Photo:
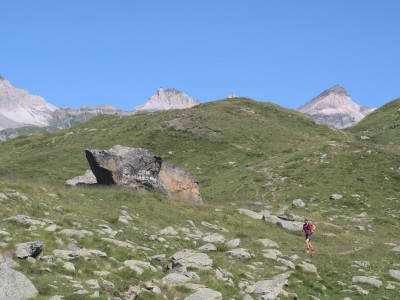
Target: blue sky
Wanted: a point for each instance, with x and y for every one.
(119, 52)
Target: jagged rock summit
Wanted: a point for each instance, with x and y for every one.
(19, 108)
(335, 108)
(167, 99)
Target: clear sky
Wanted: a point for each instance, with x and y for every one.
(119, 52)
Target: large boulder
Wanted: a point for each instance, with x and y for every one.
(140, 169)
(14, 285)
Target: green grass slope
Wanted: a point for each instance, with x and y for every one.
(245, 154)
(382, 126)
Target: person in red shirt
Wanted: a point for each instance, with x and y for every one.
(308, 228)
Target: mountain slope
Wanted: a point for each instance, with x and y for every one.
(19, 108)
(382, 125)
(245, 155)
(335, 108)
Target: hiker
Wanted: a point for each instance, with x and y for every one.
(308, 228)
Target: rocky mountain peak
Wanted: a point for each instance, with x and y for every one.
(168, 99)
(19, 108)
(335, 108)
(336, 89)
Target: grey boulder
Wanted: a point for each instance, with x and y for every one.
(15, 286)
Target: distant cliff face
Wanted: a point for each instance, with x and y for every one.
(167, 99)
(335, 108)
(19, 108)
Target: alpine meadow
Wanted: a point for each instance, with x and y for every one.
(259, 167)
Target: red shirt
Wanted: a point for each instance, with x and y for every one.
(307, 227)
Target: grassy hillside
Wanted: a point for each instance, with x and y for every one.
(245, 154)
(382, 126)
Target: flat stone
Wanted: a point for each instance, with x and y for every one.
(233, 243)
(208, 247)
(270, 289)
(139, 266)
(189, 258)
(76, 233)
(366, 279)
(214, 238)
(168, 231)
(395, 274)
(175, 279)
(240, 253)
(250, 213)
(205, 294)
(267, 243)
(213, 226)
(118, 243)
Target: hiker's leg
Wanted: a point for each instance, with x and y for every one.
(307, 245)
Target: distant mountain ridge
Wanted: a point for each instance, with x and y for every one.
(19, 109)
(335, 108)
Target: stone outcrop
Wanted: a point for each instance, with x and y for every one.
(139, 169)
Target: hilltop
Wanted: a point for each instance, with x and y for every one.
(255, 163)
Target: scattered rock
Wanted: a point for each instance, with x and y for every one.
(233, 243)
(298, 203)
(359, 290)
(69, 266)
(108, 285)
(29, 249)
(336, 197)
(208, 247)
(214, 238)
(270, 289)
(15, 286)
(286, 263)
(390, 287)
(362, 263)
(121, 244)
(76, 233)
(212, 226)
(139, 266)
(189, 258)
(175, 279)
(52, 228)
(25, 220)
(267, 243)
(240, 253)
(366, 279)
(168, 231)
(250, 213)
(87, 179)
(308, 268)
(205, 294)
(395, 274)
